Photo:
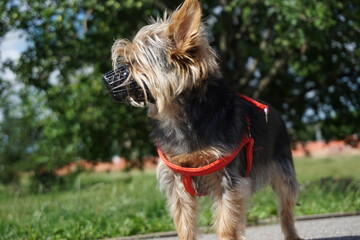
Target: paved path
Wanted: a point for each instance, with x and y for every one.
(342, 228)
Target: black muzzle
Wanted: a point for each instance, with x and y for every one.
(120, 92)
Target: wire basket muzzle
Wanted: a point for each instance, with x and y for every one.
(120, 88)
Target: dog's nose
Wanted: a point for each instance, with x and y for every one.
(116, 77)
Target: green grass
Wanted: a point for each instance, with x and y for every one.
(101, 205)
(328, 185)
(123, 204)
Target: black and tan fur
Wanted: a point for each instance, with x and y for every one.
(196, 118)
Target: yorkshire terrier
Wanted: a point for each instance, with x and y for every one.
(211, 139)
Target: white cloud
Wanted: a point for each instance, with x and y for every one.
(7, 74)
(12, 45)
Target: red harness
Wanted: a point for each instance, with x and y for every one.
(247, 141)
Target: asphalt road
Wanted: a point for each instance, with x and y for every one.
(340, 228)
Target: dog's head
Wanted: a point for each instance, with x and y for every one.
(164, 59)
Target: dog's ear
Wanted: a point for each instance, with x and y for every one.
(184, 30)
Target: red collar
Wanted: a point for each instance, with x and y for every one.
(220, 163)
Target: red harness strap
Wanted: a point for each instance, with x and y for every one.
(260, 106)
(187, 173)
(220, 163)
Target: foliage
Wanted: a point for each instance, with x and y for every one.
(69, 48)
(17, 139)
(301, 56)
(122, 204)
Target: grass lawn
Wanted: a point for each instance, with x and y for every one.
(123, 204)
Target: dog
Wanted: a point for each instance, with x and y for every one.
(198, 123)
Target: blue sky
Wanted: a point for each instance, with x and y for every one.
(11, 47)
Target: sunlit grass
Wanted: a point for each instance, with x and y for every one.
(340, 166)
(102, 205)
(122, 204)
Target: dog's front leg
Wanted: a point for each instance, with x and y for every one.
(183, 206)
(183, 209)
(230, 204)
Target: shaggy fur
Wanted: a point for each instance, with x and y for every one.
(196, 118)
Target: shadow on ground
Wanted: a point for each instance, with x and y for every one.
(338, 238)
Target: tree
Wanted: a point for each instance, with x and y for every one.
(71, 41)
(301, 56)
